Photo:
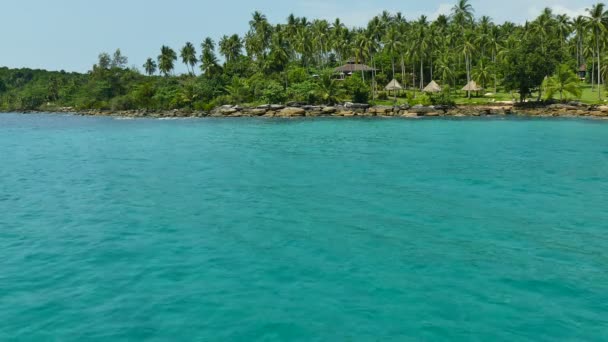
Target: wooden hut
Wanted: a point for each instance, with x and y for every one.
(582, 72)
(352, 67)
(432, 87)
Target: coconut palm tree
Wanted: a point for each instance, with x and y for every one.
(166, 60)
(597, 18)
(579, 26)
(564, 81)
(150, 67)
(209, 62)
(231, 47)
(467, 48)
(392, 44)
(482, 73)
(462, 13)
(188, 54)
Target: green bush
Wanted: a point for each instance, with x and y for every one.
(444, 98)
(422, 99)
(273, 93)
(122, 103)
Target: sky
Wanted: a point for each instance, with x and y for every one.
(70, 34)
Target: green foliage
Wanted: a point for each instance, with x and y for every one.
(444, 98)
(358, 88)
(303, 92)
(564, 81)
(421, 99)
(274, 93)
(280, 63)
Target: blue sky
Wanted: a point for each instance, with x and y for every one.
(69, 34)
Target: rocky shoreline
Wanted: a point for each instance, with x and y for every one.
(292, 110)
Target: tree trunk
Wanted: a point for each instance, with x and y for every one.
(421, 74)
(599, 68)
(466, 57)
(402, 71)
(413, 75)
(394, 91)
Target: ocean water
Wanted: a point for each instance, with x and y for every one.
(303, 230)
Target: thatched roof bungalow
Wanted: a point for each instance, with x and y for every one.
(472, 86)
(351, 67)
(432, 87)
(393, 85)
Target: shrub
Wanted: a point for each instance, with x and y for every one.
(273, 93)
(122, 103)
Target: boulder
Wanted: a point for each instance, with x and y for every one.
(295, 104)
(276, 107)
(258, 111)
(380, 110)
(351, 105)
(292, 111)
(328, 110)
(227, 110)
(419, 109)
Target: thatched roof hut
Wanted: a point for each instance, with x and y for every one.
(393, 85)
(351, 66)
(432, 87)
(472, 86)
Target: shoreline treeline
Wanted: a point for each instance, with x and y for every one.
(295, 61)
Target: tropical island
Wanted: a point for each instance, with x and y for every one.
(392, 66)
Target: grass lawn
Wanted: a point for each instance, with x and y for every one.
(588, 96)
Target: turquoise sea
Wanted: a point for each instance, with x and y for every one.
(309, 230)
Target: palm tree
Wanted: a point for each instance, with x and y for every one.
(564, 28)
(564, 81)
(579, 26)
(482, 73)
(467, 49)
(150, 67)
(445, 71)
(166, 60)
(422, 45)
(188, 55)
(231, 47)
(597, 18)
(328, 89)
(392, 44)
(209, 61)
(462, 13)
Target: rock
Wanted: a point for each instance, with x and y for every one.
(409, 115)
(276, 107)
(270, 114)
(295, 104)
(347, 113)
(258, 111)
(603, 109)
(328, 110)
(265, 106)
(351, 105)
(431, 114)
(292, 111)
(380, 110)
(419, 109)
